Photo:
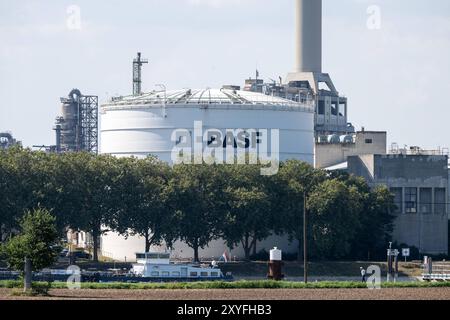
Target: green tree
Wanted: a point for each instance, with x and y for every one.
(247, 213)
(376, 225)
(195, 196)
(144, 207)
(23, 183)
(375, 218)
(334, 211)
(37, 236)
(295, 180)
(86, 193)
(6, 214)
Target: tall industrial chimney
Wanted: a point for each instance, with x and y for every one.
(308, 36)
(307, 80)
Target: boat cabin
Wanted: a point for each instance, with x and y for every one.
(158, 265)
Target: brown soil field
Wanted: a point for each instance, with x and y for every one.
(242, 294)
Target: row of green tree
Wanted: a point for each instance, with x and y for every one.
(196, 203)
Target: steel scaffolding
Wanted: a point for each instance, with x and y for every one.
(89, 123)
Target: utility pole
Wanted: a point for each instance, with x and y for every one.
(28, 275)
(305, 242)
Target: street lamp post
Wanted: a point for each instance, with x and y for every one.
(305, 243)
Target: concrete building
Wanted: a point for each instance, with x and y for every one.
(420, 183)
(333, 150)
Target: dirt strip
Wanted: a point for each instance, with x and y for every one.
(244, 294)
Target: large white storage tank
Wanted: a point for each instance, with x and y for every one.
(143, 125)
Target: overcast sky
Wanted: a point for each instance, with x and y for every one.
(396, 77)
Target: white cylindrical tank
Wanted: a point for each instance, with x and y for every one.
(275, 254)
(309, 36)
(144, 125)
(139, 126)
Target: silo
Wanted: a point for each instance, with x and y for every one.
(143, 125)
(69, 124)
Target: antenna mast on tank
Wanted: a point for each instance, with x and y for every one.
(137, 74)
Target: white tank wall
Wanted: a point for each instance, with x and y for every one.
(145, 131)
(120, 249)
(140, 131)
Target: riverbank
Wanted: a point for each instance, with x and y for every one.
(258, 269)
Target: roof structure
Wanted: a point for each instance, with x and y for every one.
(339, 166)
(207, 96)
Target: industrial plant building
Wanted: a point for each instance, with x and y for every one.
(311, 116)
(420, 183)
(77, 127)
(7, 140)
(333, 150)
(306, 104)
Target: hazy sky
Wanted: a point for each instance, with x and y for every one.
(396, 77)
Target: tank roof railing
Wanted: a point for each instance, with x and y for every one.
(210, 97)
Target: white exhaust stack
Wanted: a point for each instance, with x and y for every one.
(308, 36)
(308, 79)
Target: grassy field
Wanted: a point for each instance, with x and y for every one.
(263, 284)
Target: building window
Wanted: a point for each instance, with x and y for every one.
(342, 109)
(321, 108)
(369, 141)
(411, 200)
(398, 199)
(164, 256)
(439, 201)
(334, 108)
(425, 200)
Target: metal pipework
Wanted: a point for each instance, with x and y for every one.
(308, 36)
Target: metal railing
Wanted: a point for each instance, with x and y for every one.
(436, 271)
